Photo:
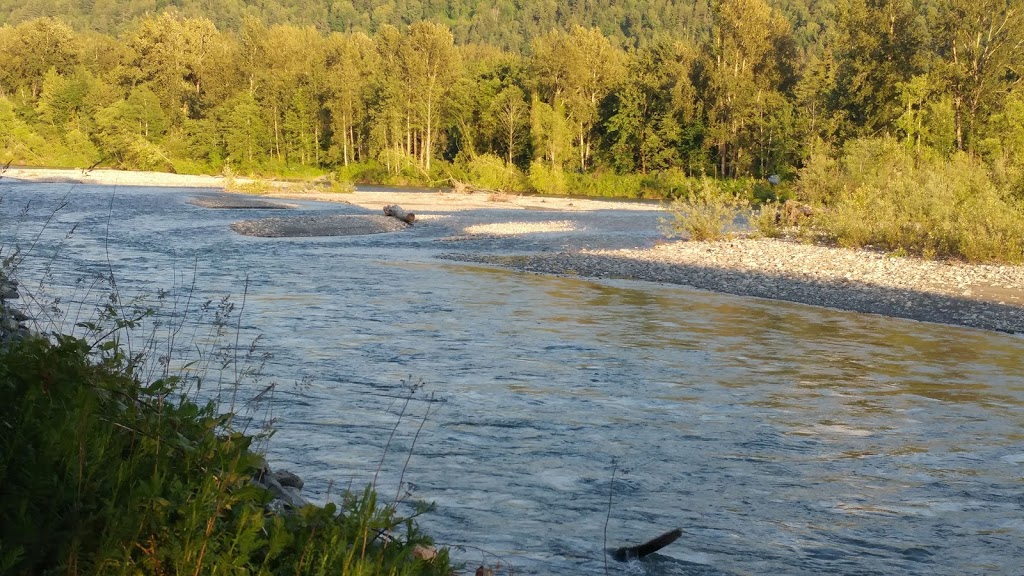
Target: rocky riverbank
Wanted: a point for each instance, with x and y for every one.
(980, 296)
(285, 487)
(13, 322)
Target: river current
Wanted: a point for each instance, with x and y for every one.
(568, 415)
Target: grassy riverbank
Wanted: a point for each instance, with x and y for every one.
(104, 473)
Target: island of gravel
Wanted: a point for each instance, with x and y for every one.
(326, 225)
(236, 202)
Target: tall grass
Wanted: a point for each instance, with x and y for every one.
(884, 195)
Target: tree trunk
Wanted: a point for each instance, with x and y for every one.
(277, 135)
(408, 134)
(356, 155)
(344, 137)
(583, 159)
(426, 151)
(511, 139)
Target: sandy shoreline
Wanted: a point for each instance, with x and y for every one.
(982, 296)
(113, 177)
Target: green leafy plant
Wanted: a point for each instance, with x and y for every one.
(885, 195)
(706, 213)
(104, 473)
(546, 180)
(767, 220)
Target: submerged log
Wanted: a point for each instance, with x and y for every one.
(647, 548)
(396, 211)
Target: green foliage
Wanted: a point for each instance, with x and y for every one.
(880, 45)
(707, 212)
(672, 183)
(488, 172)
(246, 134)
(336, 185)
(607, 185)
(369, 171)
(19, 143)
(881, 194)
(1003, 146)
(741, 89)
(105, 474)
(546, 180)
(33, 48)
(767, 220)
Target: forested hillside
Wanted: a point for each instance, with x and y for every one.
(509, 24)
(734, 88)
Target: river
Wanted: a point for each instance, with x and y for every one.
(566, 415)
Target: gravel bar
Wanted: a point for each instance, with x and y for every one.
(981, 296)
(308, 226)
(236, 202)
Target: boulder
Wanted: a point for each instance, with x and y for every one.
(9, 291)
(287, 478)
(284, 485)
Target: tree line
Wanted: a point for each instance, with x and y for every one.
(749, 89)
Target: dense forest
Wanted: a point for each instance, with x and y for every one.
(508, 24)
(726, 88)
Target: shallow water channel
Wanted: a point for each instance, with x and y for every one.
(571, 414)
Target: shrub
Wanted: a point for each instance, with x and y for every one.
(767, 220)
(671, 183)
(819, 180)
(888, 196)
(606, 185)
(488, 172)
(363, 172)
(706, 212)
(546, 180)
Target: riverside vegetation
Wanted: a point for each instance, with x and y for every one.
(590, 98)
(105, 471)
(879, 195)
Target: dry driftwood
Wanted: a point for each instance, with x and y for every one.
(647, 548)
(396, 211)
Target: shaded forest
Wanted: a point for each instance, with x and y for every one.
(730, 88)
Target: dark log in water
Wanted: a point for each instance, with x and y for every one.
(647, 548)
(396, 211)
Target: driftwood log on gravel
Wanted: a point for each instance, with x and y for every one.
(396, 211)
(647, 548)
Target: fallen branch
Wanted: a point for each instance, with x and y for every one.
(647, 548)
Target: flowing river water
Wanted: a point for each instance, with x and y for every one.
(567, 415)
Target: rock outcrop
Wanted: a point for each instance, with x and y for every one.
(284, 485)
